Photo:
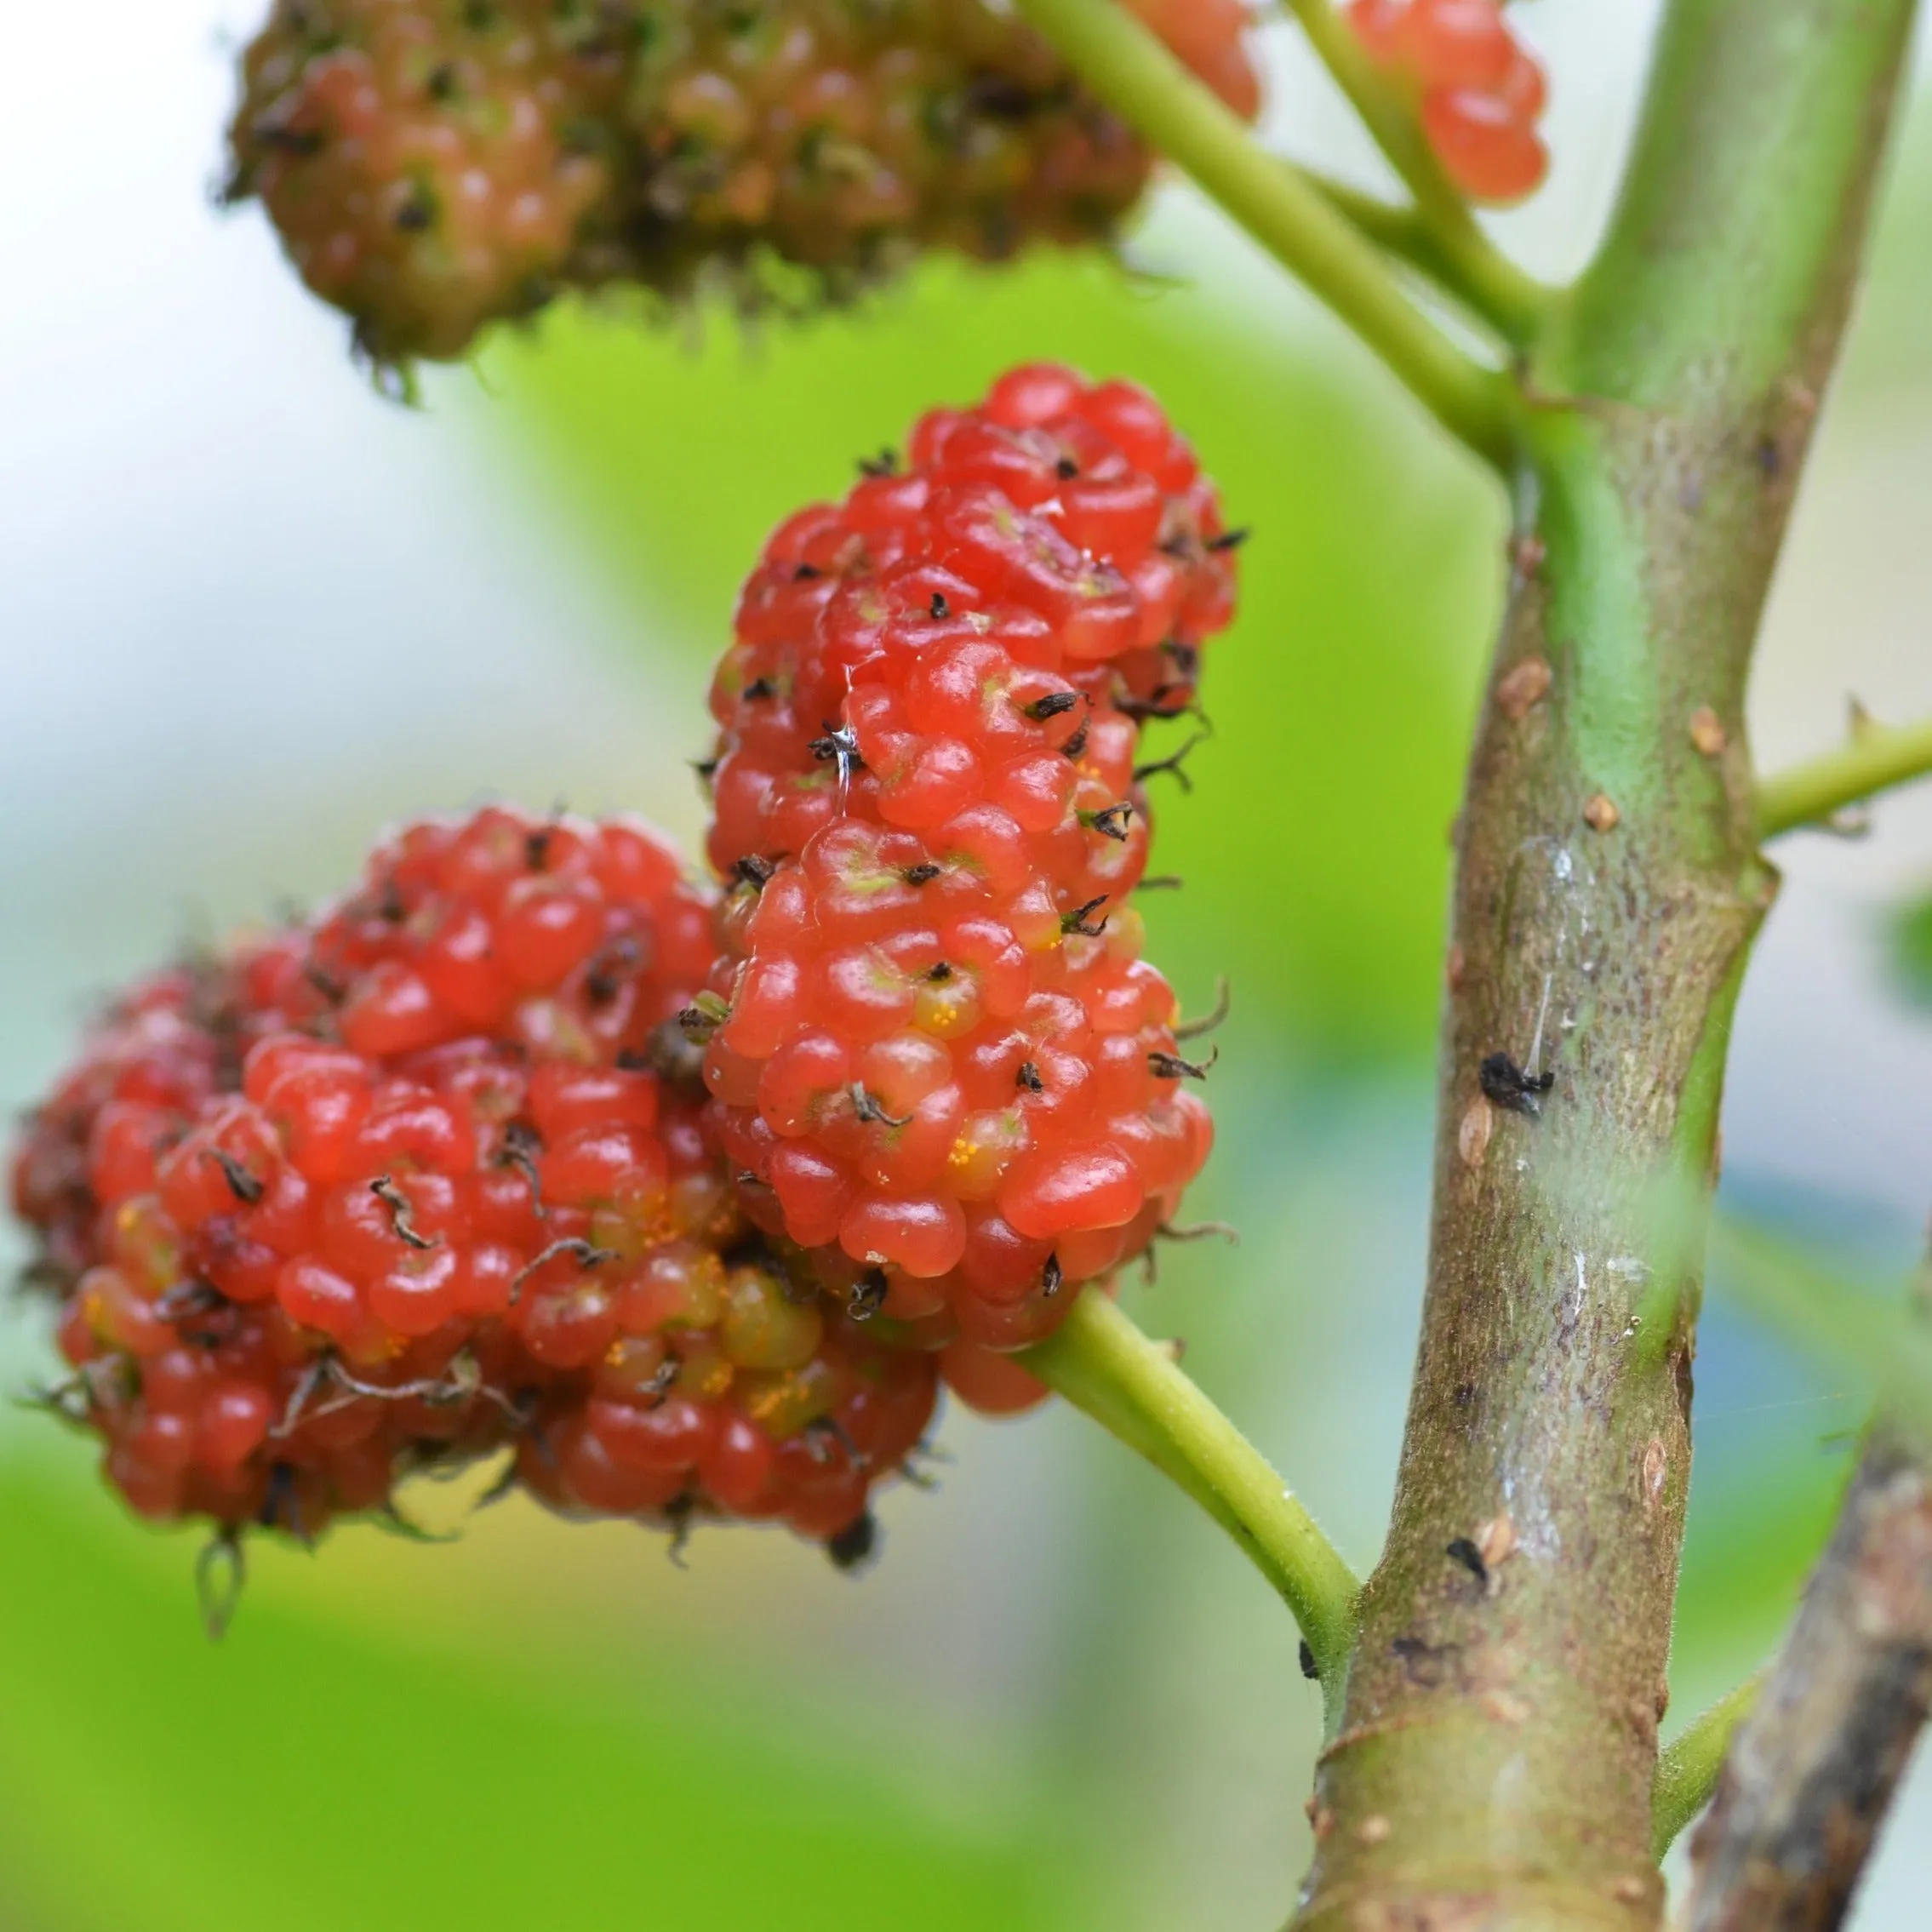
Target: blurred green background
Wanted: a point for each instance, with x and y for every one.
(247, 613)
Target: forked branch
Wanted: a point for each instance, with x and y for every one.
(1488, 285)
(1815, 1769)
(1498, 1757)
(1131, 69)
(1476, 270)
(1136, 1389)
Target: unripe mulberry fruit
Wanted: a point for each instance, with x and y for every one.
(1478, 92)
(940, 1061)
(431, 164)
(435, 165)
(420, 1179)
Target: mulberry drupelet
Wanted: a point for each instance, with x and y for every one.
(1478, 91)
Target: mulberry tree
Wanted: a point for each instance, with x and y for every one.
(680, 1187)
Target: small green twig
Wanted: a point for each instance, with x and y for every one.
(1487, 285)
(1877, 757)
(1132, 1386)
(1131, 69)
(1387, 117)
(1488, 278)
(1686, 1772)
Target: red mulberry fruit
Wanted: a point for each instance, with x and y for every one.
(940, 1062)
(1479, 93)
(425, 1177)
(434, 164)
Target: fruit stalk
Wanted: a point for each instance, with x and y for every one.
(1487, 284)
(1499, 1736)
(1135, 1388)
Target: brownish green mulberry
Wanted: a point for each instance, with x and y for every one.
(431, 164)
(435, 165)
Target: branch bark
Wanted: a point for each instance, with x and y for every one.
(1815, 1768)
(1494, 1766)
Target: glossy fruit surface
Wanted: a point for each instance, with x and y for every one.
(425, 1177)
(1478, 92)
(939, 1062)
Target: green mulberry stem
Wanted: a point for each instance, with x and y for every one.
(1489, 286)
(1687, 1771)
(1131, 1385)
(1877, 757)
(1499, 290)
(1131, 69)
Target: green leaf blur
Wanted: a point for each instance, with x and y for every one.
(151, 1779)
(1910, 952)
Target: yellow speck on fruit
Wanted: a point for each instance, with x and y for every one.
(962, 1152)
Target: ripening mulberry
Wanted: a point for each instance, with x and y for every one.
(424, 1178)
(434, 164)
(1479, 93)
(940, 1063)
(430, 166)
